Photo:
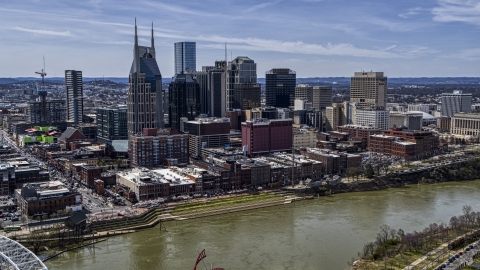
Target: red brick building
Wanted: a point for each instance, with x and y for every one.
(88, 174)
(359, 133)
(404, 143)
(262, 136)
(45, 199)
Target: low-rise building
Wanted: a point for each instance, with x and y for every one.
(333, 162)
(145, 183)
(465, 124)
(304, 138)
(46, 198)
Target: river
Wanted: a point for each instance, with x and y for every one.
(323, 233)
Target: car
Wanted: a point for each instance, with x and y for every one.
(460, 253)
(467, 249)
(457, 256)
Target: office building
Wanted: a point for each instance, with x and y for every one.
(411, 120)
(185, 57)
(444, 123)
(217, 90)
(262, 136)
(359, 133)
(144, 97)
(241, 70)
(368, 89)
(207, 133)
(373, 118)
(202, 78)
(112, 124)
(46, 198)
(280, 87)
(419, 107)
(246, 96)
(405, 143)
(183, 99)
(319, 96)
(74, 90)
(335, 116)
(456, 102)
(153, 148)
(465, 124)
(56, 112)
(302, 104)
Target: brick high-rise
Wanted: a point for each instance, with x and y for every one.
(262, 136)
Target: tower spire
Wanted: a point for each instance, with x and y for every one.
(153, 43)
(136, 36)
(136, 60)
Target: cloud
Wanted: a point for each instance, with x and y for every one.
(467, 11)
(262, 5)
(296, 47)
(115, 42)
(389, 48)
(177, 9)
(412, 12)
(469, 54)
(44, 32)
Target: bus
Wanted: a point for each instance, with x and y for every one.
(12, 228)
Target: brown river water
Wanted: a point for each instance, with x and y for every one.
(320, 234)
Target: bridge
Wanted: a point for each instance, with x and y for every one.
(14, 256)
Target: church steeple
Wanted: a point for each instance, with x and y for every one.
(153, 42)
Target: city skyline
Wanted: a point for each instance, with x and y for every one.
(316, 38)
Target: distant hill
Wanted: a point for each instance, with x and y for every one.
(313, 81)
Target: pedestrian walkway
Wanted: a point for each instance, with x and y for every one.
(423, 258)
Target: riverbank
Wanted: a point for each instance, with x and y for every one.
(195, 210)
(458, 171)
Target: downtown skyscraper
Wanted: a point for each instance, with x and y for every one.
(74, 89)
(280, 87)
(144, 98)
(243, 91)
(368, 89)
(185, 57)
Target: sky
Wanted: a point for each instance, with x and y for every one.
(315, 38)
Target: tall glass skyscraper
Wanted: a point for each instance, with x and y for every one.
(280, 87)
(185, 57)
(74, 89)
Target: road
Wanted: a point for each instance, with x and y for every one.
(92, 203)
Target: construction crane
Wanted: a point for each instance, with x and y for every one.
(43, 95)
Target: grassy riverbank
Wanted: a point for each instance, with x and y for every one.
(424, 249)
(222, 202)
(197, 209)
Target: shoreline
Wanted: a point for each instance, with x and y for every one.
(461, 171)
(159, 215)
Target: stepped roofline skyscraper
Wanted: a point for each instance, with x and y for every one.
(144, 101)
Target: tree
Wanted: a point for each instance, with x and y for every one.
(35, 240)
(369, 170)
